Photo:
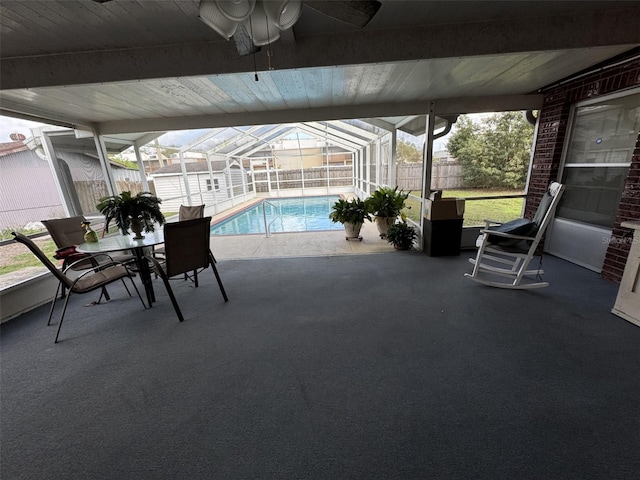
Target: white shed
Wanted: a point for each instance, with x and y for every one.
(225, 180)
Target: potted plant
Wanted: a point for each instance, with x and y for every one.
(386, 204)
(352, 214)
(139, 212)
(401, 235)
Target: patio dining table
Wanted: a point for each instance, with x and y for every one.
(118, 243)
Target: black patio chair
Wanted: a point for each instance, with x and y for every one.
(187, 249)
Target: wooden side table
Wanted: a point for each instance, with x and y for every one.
(627, 304)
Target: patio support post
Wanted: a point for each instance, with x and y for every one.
(326, 153)
(531, 156)
(301, 162)
(143, 174)
(185, 178)
(49, 153)
(213, 186)
(427, 157)
(104, 162)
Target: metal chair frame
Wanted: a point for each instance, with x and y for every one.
(97, 277)
(186, 250)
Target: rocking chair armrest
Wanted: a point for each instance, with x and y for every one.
(488, 223)
(506, 235)
(90, 258)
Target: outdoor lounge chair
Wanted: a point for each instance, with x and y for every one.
(506, 249)
(91, 279)
(186, 249)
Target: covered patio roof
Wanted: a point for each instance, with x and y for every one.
(127, 66)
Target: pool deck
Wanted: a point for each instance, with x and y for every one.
(299, 244)
(302, 244)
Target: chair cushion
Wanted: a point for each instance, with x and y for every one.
(65, 252)
(99, 278)
(520, 226)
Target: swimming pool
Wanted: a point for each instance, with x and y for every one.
(302, 214)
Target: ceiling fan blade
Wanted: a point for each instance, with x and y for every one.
(353, 12)
(243, 41)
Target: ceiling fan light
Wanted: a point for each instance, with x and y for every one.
(284, 13)
(260, 28)
(210, 14)
(236, 10)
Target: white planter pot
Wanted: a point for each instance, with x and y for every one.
(383, 224)
(352, 230)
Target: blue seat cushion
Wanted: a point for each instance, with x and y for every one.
(520, 226)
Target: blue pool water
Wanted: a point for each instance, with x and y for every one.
(304, 214)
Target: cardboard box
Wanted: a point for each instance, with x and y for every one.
(438, 208)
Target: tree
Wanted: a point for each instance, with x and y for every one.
(495, 152)
(407, 153)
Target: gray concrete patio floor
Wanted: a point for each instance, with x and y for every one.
(278, 245)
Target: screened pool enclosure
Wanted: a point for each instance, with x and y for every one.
(221, 168)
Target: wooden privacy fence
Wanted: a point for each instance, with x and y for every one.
(408, 177)
(90, 192)
(444, 176)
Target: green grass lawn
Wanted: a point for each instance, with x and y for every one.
(27, 259)
(476, 211)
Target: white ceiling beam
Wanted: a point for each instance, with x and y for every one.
(149, 137)
(378, 122)
(579, 30)
(35, 114)
(448, 106)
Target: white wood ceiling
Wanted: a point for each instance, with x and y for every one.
(137, 66)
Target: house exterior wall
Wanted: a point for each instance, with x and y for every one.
(27, 190)
(552, 131)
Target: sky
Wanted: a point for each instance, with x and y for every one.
(9, 125)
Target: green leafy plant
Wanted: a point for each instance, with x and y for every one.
(350, 211)
(401, 235)
(123, 207)
(387, 202)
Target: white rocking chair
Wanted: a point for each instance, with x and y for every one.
(505, 249)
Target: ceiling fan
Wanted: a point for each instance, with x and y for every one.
(255, 23)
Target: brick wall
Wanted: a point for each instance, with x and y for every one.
(552, 130)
